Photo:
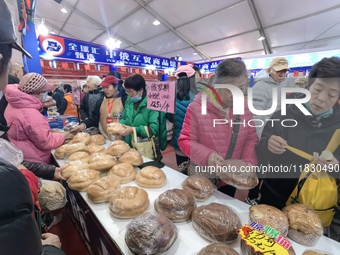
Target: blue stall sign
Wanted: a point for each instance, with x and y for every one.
(210, 67)
(54, 47)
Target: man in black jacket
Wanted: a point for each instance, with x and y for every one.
(16, 205)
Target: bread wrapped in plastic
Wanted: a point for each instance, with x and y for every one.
(115, 128)
(95, 148)
(176, 204)
(74, 166)
(218, 249)
(216, 222)
(150, 233)
(128, 202)
(247, 250)
(59, 153)
(239, 175)
(268, 215)
(80, 180)
(79, 155)
(98, 139)
(199, 186)
(125, 171)
(315, 252)
(81, 137)
(131, 156)
(304, 224)
(101, 161)
(74, 147)
(117, 148)
(100, 191)
(151, 177)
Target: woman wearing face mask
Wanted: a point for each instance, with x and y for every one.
(108, 108)
(311, 134)
(29, 130)
(137, 115)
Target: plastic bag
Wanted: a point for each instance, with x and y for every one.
(10, 152)
(52, 195)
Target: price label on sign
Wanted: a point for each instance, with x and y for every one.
(161, 96)
(261, 242)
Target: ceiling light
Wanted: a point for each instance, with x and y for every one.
(112, 43)
(261, 38)
(63, 10)
(156, 22)
(195, 53)
(42, 29)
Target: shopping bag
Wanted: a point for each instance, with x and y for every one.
(145, 146)
(316, 188)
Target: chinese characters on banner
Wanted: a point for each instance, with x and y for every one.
(161, 96)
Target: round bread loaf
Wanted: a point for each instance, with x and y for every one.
(98, 139)
(218, 249)
(310, 252)
(101, 190)
(128, 202)
(115, 128)
(125, 171)
(132, 156)
(81, 137)
(268, 215)
(304, 224)
(75, 147)
(79, 155)
(240, 179)
(117, 148)
(216, 222)
(72, 167)
(176, 204)
(199, 186)
(247, 250)
(60, 152)
(95, 148)
(151, 233)
(80, 180)
(151, 177)
(101, 161)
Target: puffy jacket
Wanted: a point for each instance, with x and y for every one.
(29, 130)
(58, 97)
(144, 117)
(89, 102)
(199, 138)
(66, 106)
(19, 233)
(263, 99)
(309, 135)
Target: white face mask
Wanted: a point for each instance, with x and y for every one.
(44, 96)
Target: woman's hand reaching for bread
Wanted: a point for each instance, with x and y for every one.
(215, 159)
(58, 173)
(276, 144)
(68, 136)
(79, 128)
(126, 131)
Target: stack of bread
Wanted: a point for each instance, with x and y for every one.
(199, 186)
(304, 224)
(216, 222)
(101, 161)
(80, 180)
(81, 137)
(151, 233)
(100, 191)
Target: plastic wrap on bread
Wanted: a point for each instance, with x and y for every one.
(176, 204)
(100, 191)
(151, 177)
(304, 224)
(102, 161)
(81, 137)
(128, 202)
(216, 222)
(79, 155)
(218, 249)
(95, 148)
(115, 128)
(60, 152)
(75, 147)
(199, 186)
(117, 148)
(125, 171)
(74, 166)
(131, 156)
(80, 180)
(315, 252)
(150, 233)
(98, 139)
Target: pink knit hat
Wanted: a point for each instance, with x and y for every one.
(34, 83)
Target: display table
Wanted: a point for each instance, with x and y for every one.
(104, 234)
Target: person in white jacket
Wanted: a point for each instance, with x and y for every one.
(263, 90)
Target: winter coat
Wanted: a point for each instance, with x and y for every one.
(58, 97)
(89, 103)
(263, 99)
(144, 117)
(66, 107)
(199, 138)
(16, 208)
(309, 136)
(29, 130)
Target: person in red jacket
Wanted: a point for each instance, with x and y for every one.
(206, 143)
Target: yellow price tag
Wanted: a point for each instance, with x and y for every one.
(261, 242)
